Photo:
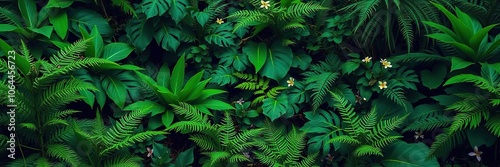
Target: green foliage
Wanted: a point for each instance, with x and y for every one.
(280, 19)
(221, 143)
(282, 147)
(151, 67)
(367, 134)
(375, 17)
(467, 35)
(259, 85)
(42, 93)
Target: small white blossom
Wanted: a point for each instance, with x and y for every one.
(476, 153)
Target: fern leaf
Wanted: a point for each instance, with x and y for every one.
(493, 125)
(367, 150)
(64, 153)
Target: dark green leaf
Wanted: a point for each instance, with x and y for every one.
(117, 51)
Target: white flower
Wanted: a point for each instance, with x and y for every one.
(418, 134)
(219, 21)
(150, 152)
(291, 81)
(382, 85)
(385, 63)
(367, 59)
(264, 4)
(240, 101)
(476, 153)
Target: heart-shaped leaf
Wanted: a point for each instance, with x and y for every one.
(257, 54)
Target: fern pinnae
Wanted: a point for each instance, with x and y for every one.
(63, 152)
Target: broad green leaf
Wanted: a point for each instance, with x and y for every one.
(88, 97)
(96, 44)
(61, 24)
(7, 28)
(477, 39)
(13, 17)
(464, 32)
(458, 63)
(167, 95)
(402, 154)
(59, 3)
(168, 37)
(190, 85)
(115, 90)
(140, 32)
(100, 95)
(197, 92)
(155, 7)
(480, 136)
(257, 54)
(232, 57)
(167, 118)
(223, 75)
(275, 108)
(185, 158)
(278, 63)
(117, 51)
(434, 79)
(4, 47)
(217, 105)
(444, 29)
(323, 124)
(177, 78)
(177, 10)
(151, 106)
(301, 60)
(467, 50)
(28, 12)
(349, 66)
(88, 19)
(494, 45)
(206, 93)
(45, 30)
(163, 75)
(201, 17)
(22, 64)
(220, 35)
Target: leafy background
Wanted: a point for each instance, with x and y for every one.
(252, 83)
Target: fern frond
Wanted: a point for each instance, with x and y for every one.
(64, 153)
(125, 6)
(64, 92)
(347, 113)
(367, 150)
(275, 91)
(383, 128)
(129, 141)
(462, 120)
(71, 66)
(385, 141)
(477, 80)
(493, 125)
(123, 128)
(320, 85)
(430, 123)
(69, 54)
(238, 158)
(298, 10)
(417, 58)
(205, 142)
(445, 142)
(345, 139)
(127, 160)
(397, 95)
